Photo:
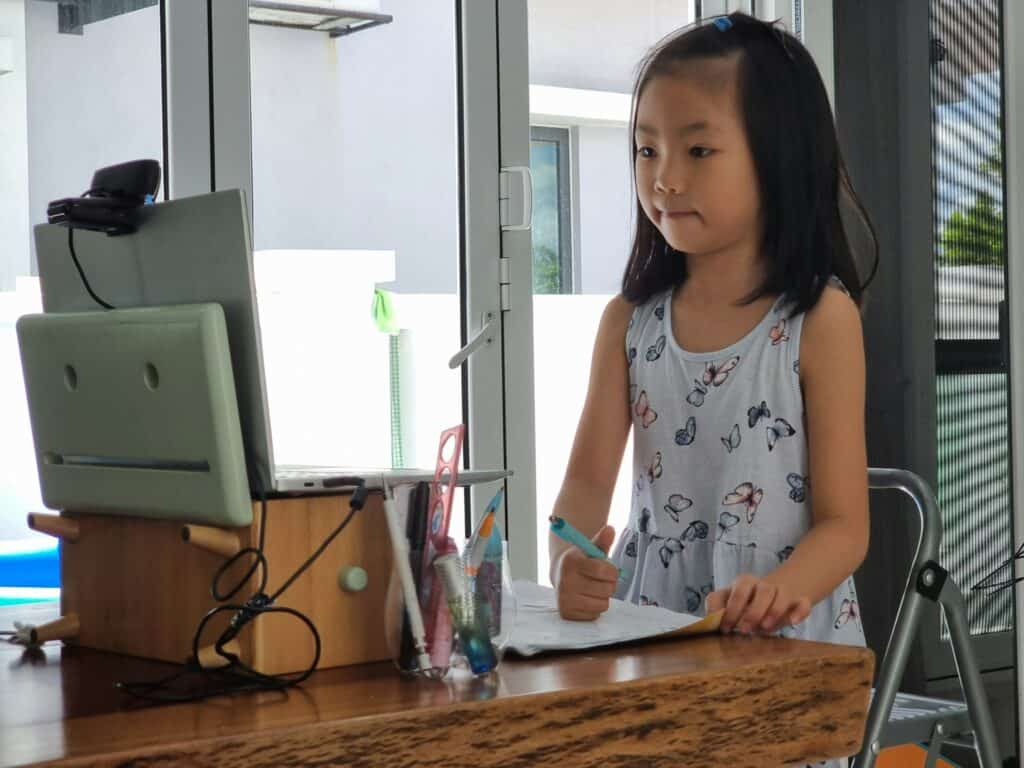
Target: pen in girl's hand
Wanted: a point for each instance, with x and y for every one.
(565, 531)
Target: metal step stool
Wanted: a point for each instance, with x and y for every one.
(900, 718)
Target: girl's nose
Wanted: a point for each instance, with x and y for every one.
(665, 187)
(668, 181)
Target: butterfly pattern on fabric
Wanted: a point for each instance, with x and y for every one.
(644, 413)
(694, 597)
(654, 468)
(732, 440)
(697, 394)
(757, 412)
(781, 428)
(716, 374)
(669, 548)
(848, 610)
(698, 529)
(676, 505)
(686, 435)
(777, 334)
(798, 486)
(630, 355)
(724, 527)
(644, 521)
(654, 351)
(747, 496)
(672, 546)
(631, 545)
(726, 522)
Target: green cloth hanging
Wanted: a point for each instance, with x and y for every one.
(383, 312)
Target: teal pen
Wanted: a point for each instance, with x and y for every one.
(563, 529)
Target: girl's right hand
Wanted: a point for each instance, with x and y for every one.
(585, 584)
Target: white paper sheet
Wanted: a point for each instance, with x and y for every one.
(539, 627)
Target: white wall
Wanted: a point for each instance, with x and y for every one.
(355, 141)
(14, 258)
(597, 45)
(93, 99)
(605, 212)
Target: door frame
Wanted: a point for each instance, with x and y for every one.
(517, 326)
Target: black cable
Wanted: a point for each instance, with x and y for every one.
(995, 581)
(236, 676)
(78, 266)
(81, 273)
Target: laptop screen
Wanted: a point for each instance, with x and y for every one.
(186, 251)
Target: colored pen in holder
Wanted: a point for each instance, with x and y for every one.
(469, 614)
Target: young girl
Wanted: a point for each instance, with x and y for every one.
(735, 352)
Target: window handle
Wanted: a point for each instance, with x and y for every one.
(484, 336)
(515, 198)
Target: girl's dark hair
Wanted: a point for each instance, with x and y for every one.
(800, 171)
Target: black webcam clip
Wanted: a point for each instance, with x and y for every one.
(113, 201)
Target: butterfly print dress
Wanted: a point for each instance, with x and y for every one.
(720, 479)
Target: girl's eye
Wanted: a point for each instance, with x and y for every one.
(700, 151)
(645, 151)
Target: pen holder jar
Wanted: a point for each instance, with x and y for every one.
(427, 652)
(467, 616)
(494, 606)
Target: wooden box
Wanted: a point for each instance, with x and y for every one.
(137, 586)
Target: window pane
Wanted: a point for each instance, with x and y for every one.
(79, 93)
(355, 189)
(973, 442)
(974, 491)
(968, 169)
(552, 168)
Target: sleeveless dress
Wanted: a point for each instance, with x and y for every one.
(720, 470)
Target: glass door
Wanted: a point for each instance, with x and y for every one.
(364, 134)
(971, 329)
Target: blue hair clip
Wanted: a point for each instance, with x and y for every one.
(723, 23)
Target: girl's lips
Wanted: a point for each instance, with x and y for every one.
(678, 214)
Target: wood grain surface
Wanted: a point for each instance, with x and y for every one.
(712, 700)
(138, 588)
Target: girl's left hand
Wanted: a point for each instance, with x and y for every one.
(757, 606)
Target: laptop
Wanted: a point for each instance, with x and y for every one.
(196, 250)
(134, 412)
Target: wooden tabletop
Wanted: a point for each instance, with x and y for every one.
(716, 700)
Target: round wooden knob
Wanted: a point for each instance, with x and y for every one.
(352, 578)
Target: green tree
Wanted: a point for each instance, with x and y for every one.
(975, 236)
(547, 272)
